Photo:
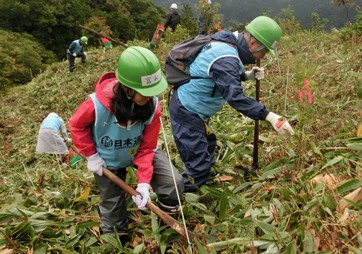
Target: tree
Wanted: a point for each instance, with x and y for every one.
(119, 17)
(98, 24)
(21, 58)
(51, 22)
(288, 22)
(146, 17)
(318, 24)
(208, 16)
(188, 21)
(54, 22)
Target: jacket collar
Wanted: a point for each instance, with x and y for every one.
(245, 55)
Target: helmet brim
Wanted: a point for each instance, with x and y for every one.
(156, 89)
(272, 51)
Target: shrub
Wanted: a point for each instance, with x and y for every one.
(352, 30)
(21, 58)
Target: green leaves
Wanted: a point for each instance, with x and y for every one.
(333, 161)
(50, 207)
(349, 185)
(22, 58)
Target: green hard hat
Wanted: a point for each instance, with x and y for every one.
(139, 69)
(265, 30)
(84, 39)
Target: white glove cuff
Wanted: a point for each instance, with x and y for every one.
(272, 118)
(95, 164)
(143, 185)
(93, 157)
(249, 75)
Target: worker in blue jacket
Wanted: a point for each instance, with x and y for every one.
(76, 49)
(221, 62)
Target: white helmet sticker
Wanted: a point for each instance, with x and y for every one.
(152, 79)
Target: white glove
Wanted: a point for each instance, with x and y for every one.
(141, 200)
(85, 53)
(68, 140)
(95, 163)
(282, 126)
(255, 73)
(75, 54)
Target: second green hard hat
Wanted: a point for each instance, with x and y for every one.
(84, 39)
(265, 30)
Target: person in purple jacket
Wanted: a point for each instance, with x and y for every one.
(192, 105)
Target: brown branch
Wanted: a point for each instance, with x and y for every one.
(11, 241)
(161, 214)
(336, 148)
(102, 35)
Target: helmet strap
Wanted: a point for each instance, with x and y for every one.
(248, 38)
(261, 47)
(258, 49)
(130, 93)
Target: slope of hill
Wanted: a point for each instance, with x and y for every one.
(236, 11)
(295, 203)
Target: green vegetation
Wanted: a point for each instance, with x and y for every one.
(54, 23)
(21, 58)
(305, 197)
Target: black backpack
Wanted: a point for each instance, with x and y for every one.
(181, 57)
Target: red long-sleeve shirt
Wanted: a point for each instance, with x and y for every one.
(82, 121)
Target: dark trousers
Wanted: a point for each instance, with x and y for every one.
(112, 207)
(71, 59)
(195, 145)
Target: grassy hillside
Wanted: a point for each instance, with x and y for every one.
(306, 196)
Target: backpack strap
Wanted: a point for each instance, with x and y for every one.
(228, 43)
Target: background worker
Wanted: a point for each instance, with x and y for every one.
(76, 49)
(53, 136)
(117, 127)
(107, 44)
(193, 104)
(173, 18)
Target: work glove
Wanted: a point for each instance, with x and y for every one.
(95, 164)
(75, 54)
(141, 200)
(85, 53)
(281, 126)
(255, 73)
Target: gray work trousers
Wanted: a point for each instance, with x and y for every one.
(112, 208)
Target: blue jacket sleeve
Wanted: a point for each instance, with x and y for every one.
(71, 47)
(225, 73)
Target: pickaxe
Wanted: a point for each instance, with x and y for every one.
(255, 163)
(166, 218)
